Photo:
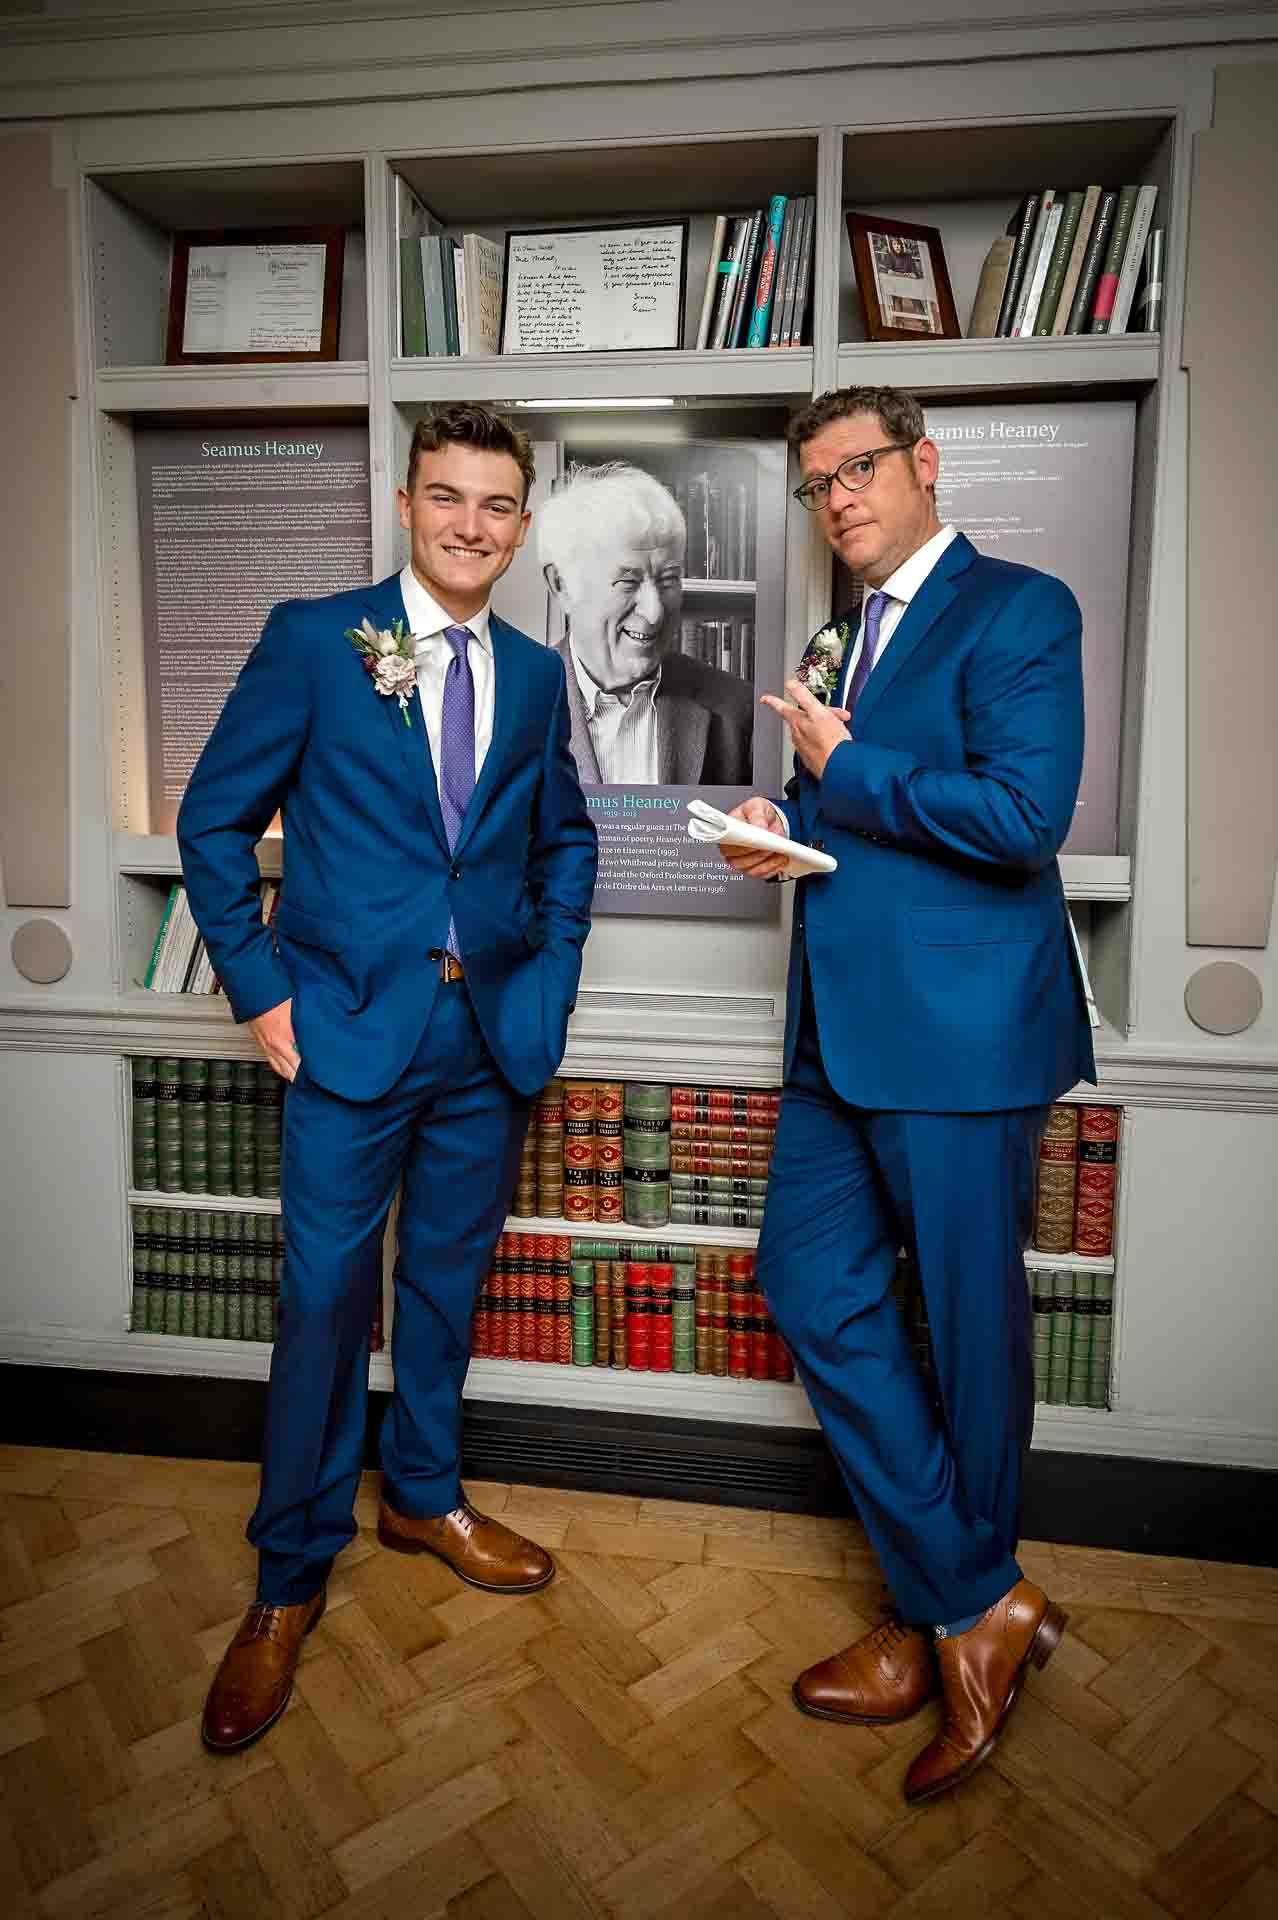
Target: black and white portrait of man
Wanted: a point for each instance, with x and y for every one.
(612, 542)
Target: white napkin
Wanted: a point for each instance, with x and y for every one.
(707, 823)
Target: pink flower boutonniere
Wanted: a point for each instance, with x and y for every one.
(822, 661)
(388, 656)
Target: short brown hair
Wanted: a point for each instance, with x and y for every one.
(898, 413)
(467, 424)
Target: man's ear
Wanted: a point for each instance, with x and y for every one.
(553, 578)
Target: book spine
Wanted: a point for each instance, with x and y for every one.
(1149, 301)
(712, 278)
(412, 297)
(1102, 1336)
(1078, 253)
(803, 273)
(203, 1275)
(729, 276)
(1047, 200)
(142, 1103)
(140, 1220)
(1133, 255)
(550, 1151)
(268, 1114)
(1040, 1282)
(234, 1276)
(1080, 1339)
(1107, 283)
(1016, 273)
(746, 279)
(217, 1266)
(459, 297)
(433, 293)
(448, 280)
(1097, 1180)
(1057, 1181)
(561, 1301)
(1043, 261)
(153, 964)
(168, 1124)
(783, 279)
(765, 289)
(989, 292)
(195, 1126)
(1061, 253)
(1085, 292)
(243, 1145)
(1062, 1335)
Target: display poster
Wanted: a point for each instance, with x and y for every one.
(1050, 486)
(230, 521)
(657, 573)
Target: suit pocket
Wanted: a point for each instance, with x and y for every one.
(968, 926)
(309, 930)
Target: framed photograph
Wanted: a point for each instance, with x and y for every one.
(656, 570)
(595, 289)
(902, 279)
(243, 294)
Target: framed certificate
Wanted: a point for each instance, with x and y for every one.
(243, 294)
(595, 289)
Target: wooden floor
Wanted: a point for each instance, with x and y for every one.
(622, 1744)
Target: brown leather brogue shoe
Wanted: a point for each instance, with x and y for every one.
(479, 1550)
(251, 1687)
(885, 1676)
(982, 1673)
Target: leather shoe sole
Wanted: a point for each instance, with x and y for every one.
(400, 1543)
(1040, 1650)
(856, 1719)
(238, 1746)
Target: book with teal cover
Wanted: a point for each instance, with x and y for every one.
(765, 288)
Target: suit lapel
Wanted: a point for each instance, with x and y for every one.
(385, 606)
(682, 727)
(922, 614)
(510, 681)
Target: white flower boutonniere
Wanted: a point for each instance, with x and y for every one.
(388, 656)
(822, 661)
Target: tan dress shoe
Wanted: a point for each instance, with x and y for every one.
(251, 1688)
(480, 1551)
(982, 1673)
(885, 1676)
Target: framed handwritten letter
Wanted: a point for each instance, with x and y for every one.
(242, 295)
(595, 289)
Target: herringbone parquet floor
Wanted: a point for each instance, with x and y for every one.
(622, 1744)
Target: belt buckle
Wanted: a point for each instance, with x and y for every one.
(450, 968)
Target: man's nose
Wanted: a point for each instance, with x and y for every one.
(648, 603)
(469, 521)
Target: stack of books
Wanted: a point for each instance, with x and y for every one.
(1077, 1181)
(206, 1126)
(180, 960)
(1073, 1327)
(1070, 262)
(651, 1307)
(759, 281)
(211, 1276)
(645, 1154)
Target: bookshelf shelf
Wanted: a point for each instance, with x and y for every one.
(156, 856)
(201, 1202)
(692, 379)
(1097, 876)
(282, 389)
(938, 367)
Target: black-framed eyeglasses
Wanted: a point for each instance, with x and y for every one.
(852, 475)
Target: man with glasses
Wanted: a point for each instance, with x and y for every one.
(934, 1013)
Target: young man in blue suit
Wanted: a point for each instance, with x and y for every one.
(414, 990)
(934, 1013)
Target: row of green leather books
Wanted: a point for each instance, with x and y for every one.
(1073, 1329)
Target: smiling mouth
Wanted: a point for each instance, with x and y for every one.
(640, 635)
(467, 553)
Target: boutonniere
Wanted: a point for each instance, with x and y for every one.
(388, 656)
(822, 661)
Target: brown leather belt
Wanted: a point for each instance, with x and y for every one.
(450, 967)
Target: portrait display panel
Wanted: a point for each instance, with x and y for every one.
(659, 578)
(231, 520)
(1050, 486)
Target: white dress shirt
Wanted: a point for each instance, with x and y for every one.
(622, 726)
(426, 622)
(900, 588)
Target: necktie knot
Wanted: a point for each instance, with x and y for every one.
(458, 638)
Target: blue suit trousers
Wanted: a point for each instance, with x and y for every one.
(939, 1493)
(451, 1129)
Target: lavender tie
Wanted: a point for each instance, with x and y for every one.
(875, 607)
(456, 747)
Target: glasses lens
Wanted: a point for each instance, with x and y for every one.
(856, 472)
(814, 495)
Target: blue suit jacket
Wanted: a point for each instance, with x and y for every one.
(370, 882)
(942, 971)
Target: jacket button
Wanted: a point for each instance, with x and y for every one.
(436, 953)
(818, 846)
(454, 872)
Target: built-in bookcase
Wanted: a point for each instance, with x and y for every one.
(659, 1000)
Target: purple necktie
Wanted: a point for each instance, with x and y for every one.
(875, 607)
(456, 747)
